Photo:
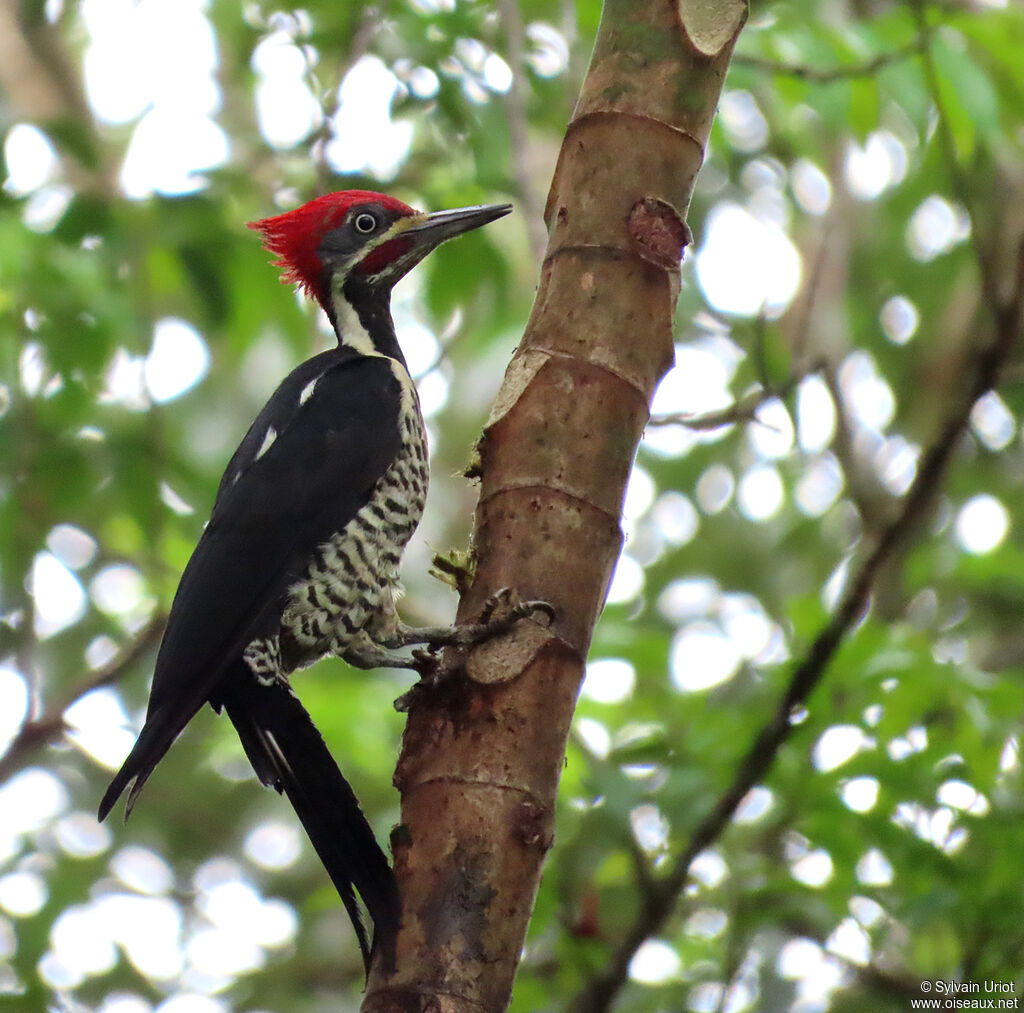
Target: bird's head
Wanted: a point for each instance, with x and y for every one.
(362, 236)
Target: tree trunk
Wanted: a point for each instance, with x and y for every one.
(481, 757)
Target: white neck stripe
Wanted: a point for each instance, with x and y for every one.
(351, 329)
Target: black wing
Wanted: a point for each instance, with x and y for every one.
(277, 503)
(304, 469)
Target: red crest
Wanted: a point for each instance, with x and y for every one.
(293, 237)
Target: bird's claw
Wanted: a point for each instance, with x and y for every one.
(425, 659)
(502, 610)
(429, 663)
(530, 609)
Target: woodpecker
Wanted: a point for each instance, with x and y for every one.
(300, 557)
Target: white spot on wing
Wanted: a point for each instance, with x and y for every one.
(307, 392)
(268, 442)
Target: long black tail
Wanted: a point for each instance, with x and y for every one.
(289, 754)
(162, 727)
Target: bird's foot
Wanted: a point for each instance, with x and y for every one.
(362, 652)
(499, 615)
(434, 672)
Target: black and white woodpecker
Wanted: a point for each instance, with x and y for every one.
(300, 557)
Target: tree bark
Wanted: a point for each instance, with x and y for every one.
(482, 755)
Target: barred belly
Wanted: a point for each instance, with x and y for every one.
(352, 580)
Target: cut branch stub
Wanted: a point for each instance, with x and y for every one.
(608, 162)
(711, 24)
(659, 235)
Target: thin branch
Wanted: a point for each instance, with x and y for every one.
(443, 353)
(445, 347)
(599, 994)
(743, 410)
(825, 75)
(43, 730)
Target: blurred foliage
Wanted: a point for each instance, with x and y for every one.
(883, 848)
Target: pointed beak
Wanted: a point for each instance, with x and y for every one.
(429, 229)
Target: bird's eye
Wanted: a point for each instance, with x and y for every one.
(365, 223)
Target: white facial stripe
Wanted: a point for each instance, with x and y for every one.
(351, 328)
(267, 443)
(398, 265)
